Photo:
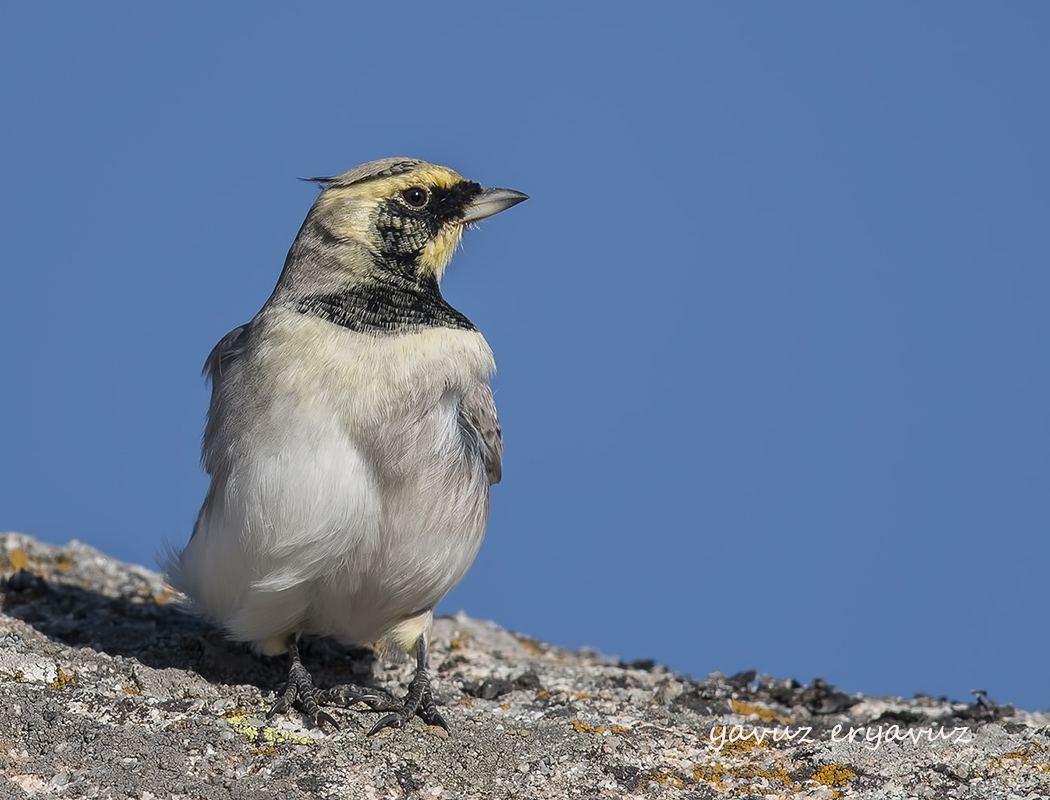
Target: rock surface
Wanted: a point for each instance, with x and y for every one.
(110, 690)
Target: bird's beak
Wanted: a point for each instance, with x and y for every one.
(491, 201)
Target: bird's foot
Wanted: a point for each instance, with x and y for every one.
(300, 686)
(419, 700)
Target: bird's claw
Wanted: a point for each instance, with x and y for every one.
(419, 700)
(389, 721)
(301, 686)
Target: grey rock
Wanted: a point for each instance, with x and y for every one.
(109, 689)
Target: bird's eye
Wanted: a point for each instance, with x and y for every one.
(415, 197)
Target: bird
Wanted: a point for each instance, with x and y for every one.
(351, 438)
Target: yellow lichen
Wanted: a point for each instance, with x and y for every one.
(239, 722)
(834, 775)
(20, 559)
(750, 772)
(1025, 757)
(718, 774)
(63, 680)
(743, 747)
(763, 713)
(532, 647)
(583, 727)
(459, 640)
(667, 778)
(712, 772)
(573, 695)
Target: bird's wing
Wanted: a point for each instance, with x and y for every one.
(478, 413)
(222, 356)
(221, 370)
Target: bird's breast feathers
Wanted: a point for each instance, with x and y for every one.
(365, 378)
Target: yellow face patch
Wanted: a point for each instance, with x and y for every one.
(356, 212)
(439, 250)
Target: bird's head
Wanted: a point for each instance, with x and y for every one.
(399, 215)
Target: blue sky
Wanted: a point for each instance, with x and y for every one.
(771, 331)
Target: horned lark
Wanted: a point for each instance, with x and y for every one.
(352, 435)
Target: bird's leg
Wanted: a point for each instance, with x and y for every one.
(419, 700)
(300, 685)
